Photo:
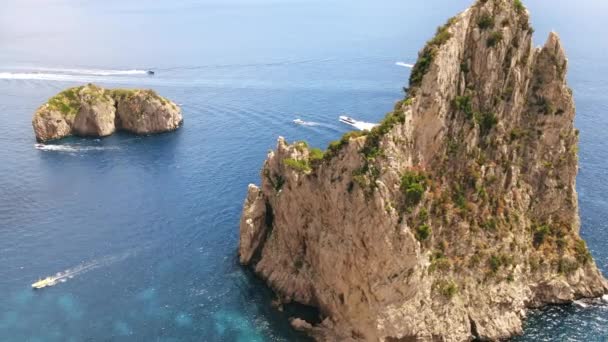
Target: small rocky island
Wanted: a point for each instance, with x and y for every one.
(97, 112)
(453, 216)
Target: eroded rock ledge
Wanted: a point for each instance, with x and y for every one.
(93, 111)
(453, 216)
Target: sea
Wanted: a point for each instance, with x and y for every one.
(141, 232)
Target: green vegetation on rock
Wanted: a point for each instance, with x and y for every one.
(582, 252)
(316, 154)
(494, 38)
(66, 102)
(297, 164)
(335, 146)
(122, 94)
(125, 94)
(486, 122)
(519, 6)
(463, 103)
(486, 21)
(413, 186)
(423, 232)
(428, 54)
(540, 233)
(447, 288)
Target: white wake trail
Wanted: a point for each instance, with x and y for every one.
(405, 65)
(73, 148)
(305, 123)
(70, 273)
(94, 72)
(70, 75)
(364, 126)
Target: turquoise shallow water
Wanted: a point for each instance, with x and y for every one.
(145, 229)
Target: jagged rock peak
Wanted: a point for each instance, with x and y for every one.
(93, 111)
(453, 216)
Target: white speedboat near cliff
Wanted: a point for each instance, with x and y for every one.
(347, 120)
(360, 125)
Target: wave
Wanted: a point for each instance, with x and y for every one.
(403, 64)
(72, 148)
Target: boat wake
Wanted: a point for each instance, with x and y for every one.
(305, 123)
(92, 72)
(63, 276)
(405, 65)
(73, 148)
(77, 75)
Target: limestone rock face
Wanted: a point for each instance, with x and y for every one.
(97, 113)
(453, 216)
(144, 112)
(50, 124)
(93, 111)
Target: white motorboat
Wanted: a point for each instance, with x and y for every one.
(347, 120)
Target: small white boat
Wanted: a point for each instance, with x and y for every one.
(298, 121)
(42, 283)
(347, 120)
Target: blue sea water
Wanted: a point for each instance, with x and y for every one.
(145, 229)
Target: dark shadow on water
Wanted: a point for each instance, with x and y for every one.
(257, 292)
(140, 149)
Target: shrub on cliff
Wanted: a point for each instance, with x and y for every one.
(447, 288)
(427, 55)
(66, 102)
(495, 38)
(486, 21)
(540, 233)
(298, 165)
(423, 232)
(315, 154)
(335, 146)
(486, 122)
(413, 185)
(463, 103)
(519, 6)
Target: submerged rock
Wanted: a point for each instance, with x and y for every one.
(453, 216)
(93, 111)
(300, 324)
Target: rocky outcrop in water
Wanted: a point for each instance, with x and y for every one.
(93, 111)
(453, 216)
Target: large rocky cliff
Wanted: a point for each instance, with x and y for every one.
(453, 216)
(93, 111)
